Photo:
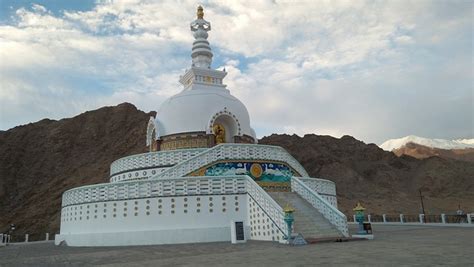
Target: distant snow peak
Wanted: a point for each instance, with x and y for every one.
(392, 144)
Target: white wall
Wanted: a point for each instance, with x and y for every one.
(180, 219)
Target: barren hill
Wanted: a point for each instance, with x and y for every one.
(41, 160)
(384, 182)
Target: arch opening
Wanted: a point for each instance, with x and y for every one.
(224, 129)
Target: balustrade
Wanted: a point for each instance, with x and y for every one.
(331, 213)
(232, 152)
(152, 159)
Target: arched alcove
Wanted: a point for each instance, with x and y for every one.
(230, 126)
(230, 123)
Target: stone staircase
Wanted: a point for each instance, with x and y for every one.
(308, 221)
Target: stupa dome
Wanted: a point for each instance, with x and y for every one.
(198, 110)
(204, 114)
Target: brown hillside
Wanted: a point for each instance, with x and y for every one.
(384, 182)
(41, 160)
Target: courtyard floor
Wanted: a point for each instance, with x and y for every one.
(392, 246)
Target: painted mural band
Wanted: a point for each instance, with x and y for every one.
(269, 175)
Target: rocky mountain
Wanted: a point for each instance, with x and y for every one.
(381, 180)
(393, 144)
(41, 160)
(419, 147)
(422, 152)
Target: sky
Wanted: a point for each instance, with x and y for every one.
(374, 70)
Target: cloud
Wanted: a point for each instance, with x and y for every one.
(375, 70)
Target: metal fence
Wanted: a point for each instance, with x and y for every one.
(376, 218)
(392, 218)
(17, 238)
(417, 218)
(456, 218)
(433, 218)
(409, 218)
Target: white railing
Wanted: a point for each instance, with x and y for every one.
(232, 152)
(322, 186)
(152, 159)
(325, 188)
(410, 219)
(136, 174)
(335, 217)
(274, 212)
(155, 188)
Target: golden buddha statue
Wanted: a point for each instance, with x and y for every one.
(219, 132)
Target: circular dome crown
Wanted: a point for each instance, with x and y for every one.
(197, 110)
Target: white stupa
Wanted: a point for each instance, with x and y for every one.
(186, 120)
(204, 180)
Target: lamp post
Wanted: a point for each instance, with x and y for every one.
(422, 206)
(360, 218)
(289, 219)
(10, 231)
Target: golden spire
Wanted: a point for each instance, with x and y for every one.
(358, 207)
(200, 12)
(288, 208)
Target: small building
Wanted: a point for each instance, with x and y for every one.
(204, 179)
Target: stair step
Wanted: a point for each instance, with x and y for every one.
(308, 221)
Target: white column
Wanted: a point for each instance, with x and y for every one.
(1, 238)
(469, 218)
(443, 218)
(354, 218)
(401, 218)
(26, 238)
(422, 217)
(47, 236)
(369, 218)
(9, 237)
(384, 217)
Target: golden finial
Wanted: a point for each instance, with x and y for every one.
(200, 12)
(288, 208)
(358, 207)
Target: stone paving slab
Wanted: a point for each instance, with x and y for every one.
(392, 246)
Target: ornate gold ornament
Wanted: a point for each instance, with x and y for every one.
(256, 170)
(200, 12)
(358, 207)
(288, 208)
(219, 132)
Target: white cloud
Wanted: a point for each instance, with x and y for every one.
(370, 69)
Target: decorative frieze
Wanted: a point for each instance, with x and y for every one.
(184, 141)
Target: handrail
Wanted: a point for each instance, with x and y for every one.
(317, 179)
(279, 222)
(142, 189)
(117, 166)
(238, 151)
(320, 186)
(335, 217)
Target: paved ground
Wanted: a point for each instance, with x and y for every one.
(393, 246)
